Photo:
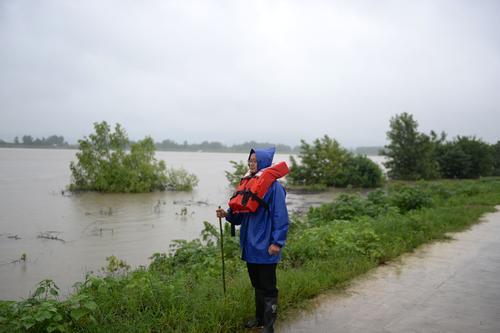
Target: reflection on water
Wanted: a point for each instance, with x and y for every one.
(82, 230)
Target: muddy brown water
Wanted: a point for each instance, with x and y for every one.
(82, 230)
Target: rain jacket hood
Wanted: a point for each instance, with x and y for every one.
(264, 157)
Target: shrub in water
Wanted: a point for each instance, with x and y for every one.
(104, 165)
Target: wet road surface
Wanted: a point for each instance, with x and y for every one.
(451, 286)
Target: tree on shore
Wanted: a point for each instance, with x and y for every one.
(105, 165)
(468, 157)
(411, 155)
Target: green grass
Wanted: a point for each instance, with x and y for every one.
(326, 249)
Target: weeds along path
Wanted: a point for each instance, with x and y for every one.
(448, 286)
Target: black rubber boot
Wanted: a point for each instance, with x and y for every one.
(259, 311)
(270, 313)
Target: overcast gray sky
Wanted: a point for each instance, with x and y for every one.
(234, 71)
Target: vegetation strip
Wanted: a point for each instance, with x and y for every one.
(181, 291)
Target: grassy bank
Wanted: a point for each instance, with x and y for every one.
(326, 248)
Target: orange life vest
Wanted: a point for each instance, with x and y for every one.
(252, 189)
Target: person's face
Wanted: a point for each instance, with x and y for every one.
(252, 163)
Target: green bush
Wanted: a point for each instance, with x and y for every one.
(351, 207)
(409, 198)
(345, 207)
(363, 172)
(466, 157)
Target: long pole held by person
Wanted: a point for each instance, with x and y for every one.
(222, 252)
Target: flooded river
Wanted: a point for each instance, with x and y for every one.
(91, 226)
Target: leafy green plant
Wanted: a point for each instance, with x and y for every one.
(345, 207)
(410, 198)
(41, 312)
(115, 266)
(239, 170)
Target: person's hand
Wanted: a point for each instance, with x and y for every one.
(274, 249)
(221, 213)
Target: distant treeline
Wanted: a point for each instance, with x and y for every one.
(214, 146)
(55, 141)
(28, 140)
(166, 145)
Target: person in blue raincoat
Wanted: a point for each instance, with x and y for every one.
(262, 238)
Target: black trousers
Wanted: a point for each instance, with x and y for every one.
(263, 278)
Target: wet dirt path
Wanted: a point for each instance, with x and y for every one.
(451, 286)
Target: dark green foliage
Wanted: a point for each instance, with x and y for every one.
(410, 153)
(345, 207)
(43, 312)
(323, 162)
(104, 165)
(409, 198)
(479, 154)
(350, 207)
(453, 161)
(495, 149)
(413, 155)
(333, 240)
(326, 163)
(466, 157)
(363, 172)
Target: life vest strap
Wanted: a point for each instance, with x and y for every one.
(247, 195)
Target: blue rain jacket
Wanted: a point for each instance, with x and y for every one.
(264, 227)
